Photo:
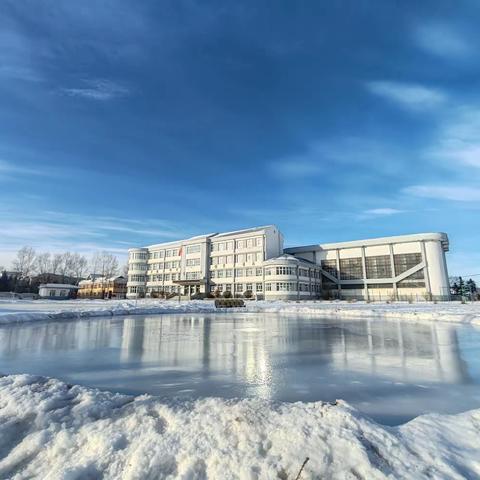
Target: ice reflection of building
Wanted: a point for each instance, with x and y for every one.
(86, 335)
(404, 352)
(254, 350)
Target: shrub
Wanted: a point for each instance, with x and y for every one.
(217, 293)
(227, 294)
(248, 294)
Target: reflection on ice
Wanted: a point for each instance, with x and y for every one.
(392, 370)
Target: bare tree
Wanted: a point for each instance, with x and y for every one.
(105, 265)
(24, 263)
(66, 266)
(79, 266)
(124, 271)
(43, 263)
(57, 260)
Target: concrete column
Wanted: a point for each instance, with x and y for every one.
(426, 272)
(392, 267)
(364, 275)
(337, 252)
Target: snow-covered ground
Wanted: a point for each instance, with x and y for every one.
(34, 310)
(49, 429)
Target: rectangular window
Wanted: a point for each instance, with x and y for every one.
(193, 248)
(192, 275)
(379, 266)
(406, 261)
(330, 266)
(351, 268)
(259, 287)
(285, 271)
(229, 273)
(249, 272)
(258, 271)
(239, 272)
(192, 262)
(238, 287)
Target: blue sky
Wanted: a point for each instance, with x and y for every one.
(126, 123)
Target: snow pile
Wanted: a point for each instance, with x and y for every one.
(422, 311)
(49, 429)
(41, 310)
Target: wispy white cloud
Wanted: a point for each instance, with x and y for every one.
(408, 95)
(458, 139)
(457, 193)
(8, 169)
(296, 167)
(442, 40)
(59, 231)
(97, 89)
(383, 211)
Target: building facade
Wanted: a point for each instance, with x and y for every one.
(402, 267)
(218, 262)
(100, 287)
(253, 263)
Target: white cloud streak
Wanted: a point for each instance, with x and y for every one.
(442, 40)
(97, 89)
(408, 95)
(456, 193)
(383, 211)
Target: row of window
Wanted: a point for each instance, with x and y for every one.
(376, 267)
(245, 243)
(166, 277)
(239, 287)
(239, 272)
(166, 265)
(302, 272)
(137, 278)
(239, 258)
(291, 287)
(138, 256)
(173, 252)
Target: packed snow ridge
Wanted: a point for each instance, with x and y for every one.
(12, 311)
(49, 429)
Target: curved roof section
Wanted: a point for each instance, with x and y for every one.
(286, 259)
(438, 236)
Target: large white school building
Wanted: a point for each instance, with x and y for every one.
(253, 263)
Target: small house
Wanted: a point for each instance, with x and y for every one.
(57, 291)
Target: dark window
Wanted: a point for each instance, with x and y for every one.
(351, 269)
(378, 267)
(330, 266)
(405, 261)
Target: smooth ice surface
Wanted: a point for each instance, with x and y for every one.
(391, 370)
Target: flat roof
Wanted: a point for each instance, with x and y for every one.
(438, 236)
(215, 235)
(57, 285)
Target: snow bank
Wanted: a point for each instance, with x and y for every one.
(49, 429)
(27, 311)
(444, 311)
